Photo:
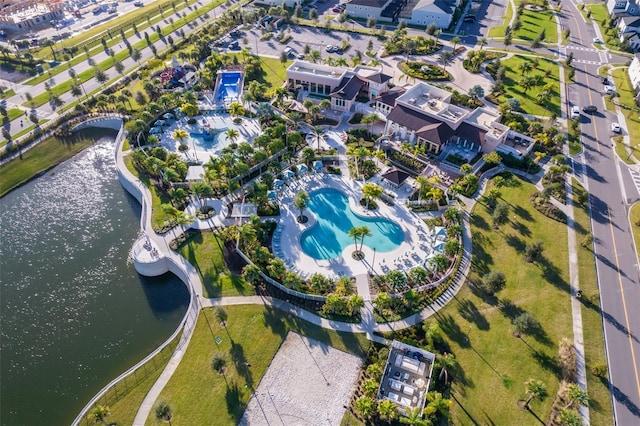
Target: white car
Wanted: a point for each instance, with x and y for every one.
(575, 112)
(608, 90)
(615, 127)
(597, 40)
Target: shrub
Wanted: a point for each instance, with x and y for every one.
(493, 282)
(533, 251)
(600, 369)
(424, 71)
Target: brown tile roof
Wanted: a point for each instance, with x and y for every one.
(379, 78)
(389, 98)
(349, 88)
(471, 133)
(425, 127)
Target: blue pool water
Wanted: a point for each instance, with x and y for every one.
(219, 140)
(329, 236)
(228, 87)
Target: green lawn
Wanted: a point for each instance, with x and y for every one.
(599, 15)
(275, 72)
(634, 215)
(599, 395)
(14, 113)
(44, 156)
(200, 396)
(125, 397)
(534, 22)
(528, 101)
(629, 109)
(494, 363)
(204, 251)
(158, 217)
(498, 30)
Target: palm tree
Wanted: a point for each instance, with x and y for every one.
(445, 58)
(300, 202)
(317, 133)
(526, 84)
(180, 135)
(455, 40)
(235, 109)
(448, 363)
(163, 412)
(370, 191)
(536, 389)
(365, 406)
(364, 232)
(525, 67)
(355, 234)
(576, 395)
(219, 363)
(439, 263)
(482, 42)
(387, 410)
(369, 119)
(414, 418)
(100, 414)
(232, 135)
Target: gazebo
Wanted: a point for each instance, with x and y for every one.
(395, 177)
(317, 165)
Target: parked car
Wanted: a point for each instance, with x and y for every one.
(138, 4)
(608, 90)
(615, 127)
(575, 112)
(597, 40)
(605, 81)
(300, 56)
(329, 48)
(589, 108)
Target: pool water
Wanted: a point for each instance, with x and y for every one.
(328, 237)
(228, 86)
(219, 141)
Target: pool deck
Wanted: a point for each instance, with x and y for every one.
(411, 253)
(248, 129)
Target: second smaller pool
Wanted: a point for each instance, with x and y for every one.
(329, 236)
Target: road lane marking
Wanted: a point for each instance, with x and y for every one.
(624, 302)
(593, 121)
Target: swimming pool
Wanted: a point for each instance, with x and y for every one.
(329, 236)
(228, 86)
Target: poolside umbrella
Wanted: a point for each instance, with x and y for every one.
(155, 130)
(168, 115)
(272, 195)
(439, 247)
(288, 174)
(317, 165)
(159, 123)
(420, 383)
(302, 169)
(277, 183)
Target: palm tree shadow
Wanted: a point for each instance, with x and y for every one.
(240, 360)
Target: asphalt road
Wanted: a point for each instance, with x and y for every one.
(611, 190)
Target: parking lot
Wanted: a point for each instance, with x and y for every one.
(315, 38)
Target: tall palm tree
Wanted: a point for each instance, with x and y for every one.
(414, 418)
(445, 58)
(576, 395)
(300, 202)
(232, 135)
(370, 191)
(355, 233)
(387, 410)
(317, 133)
(482, 42)
(364, 232)
(180, 135)
(448, 363)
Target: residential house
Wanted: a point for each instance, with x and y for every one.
(634, 74)
(621, 8)
(343, 86)
(22, 16)
(366, 9)
(427, 12)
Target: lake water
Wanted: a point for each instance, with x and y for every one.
(74, 314)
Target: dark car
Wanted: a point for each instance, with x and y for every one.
(138, 4)
(589, 108)
(605, 81)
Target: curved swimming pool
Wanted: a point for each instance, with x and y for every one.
(334, 218)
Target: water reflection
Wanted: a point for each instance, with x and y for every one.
(73, 312)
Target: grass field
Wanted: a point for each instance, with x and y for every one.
(634, 216)
(629, 109)
(534, 22)
(599, 14)
(599, 395)
(204, 251)
(495, 364)
(44, 156)
(528, 101)
(198, 395)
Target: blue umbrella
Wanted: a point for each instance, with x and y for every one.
(277, 183)
(288, 174)
(317, 165)
(272, 195)
(303, 168)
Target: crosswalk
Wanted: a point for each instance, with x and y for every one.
(635, 176)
